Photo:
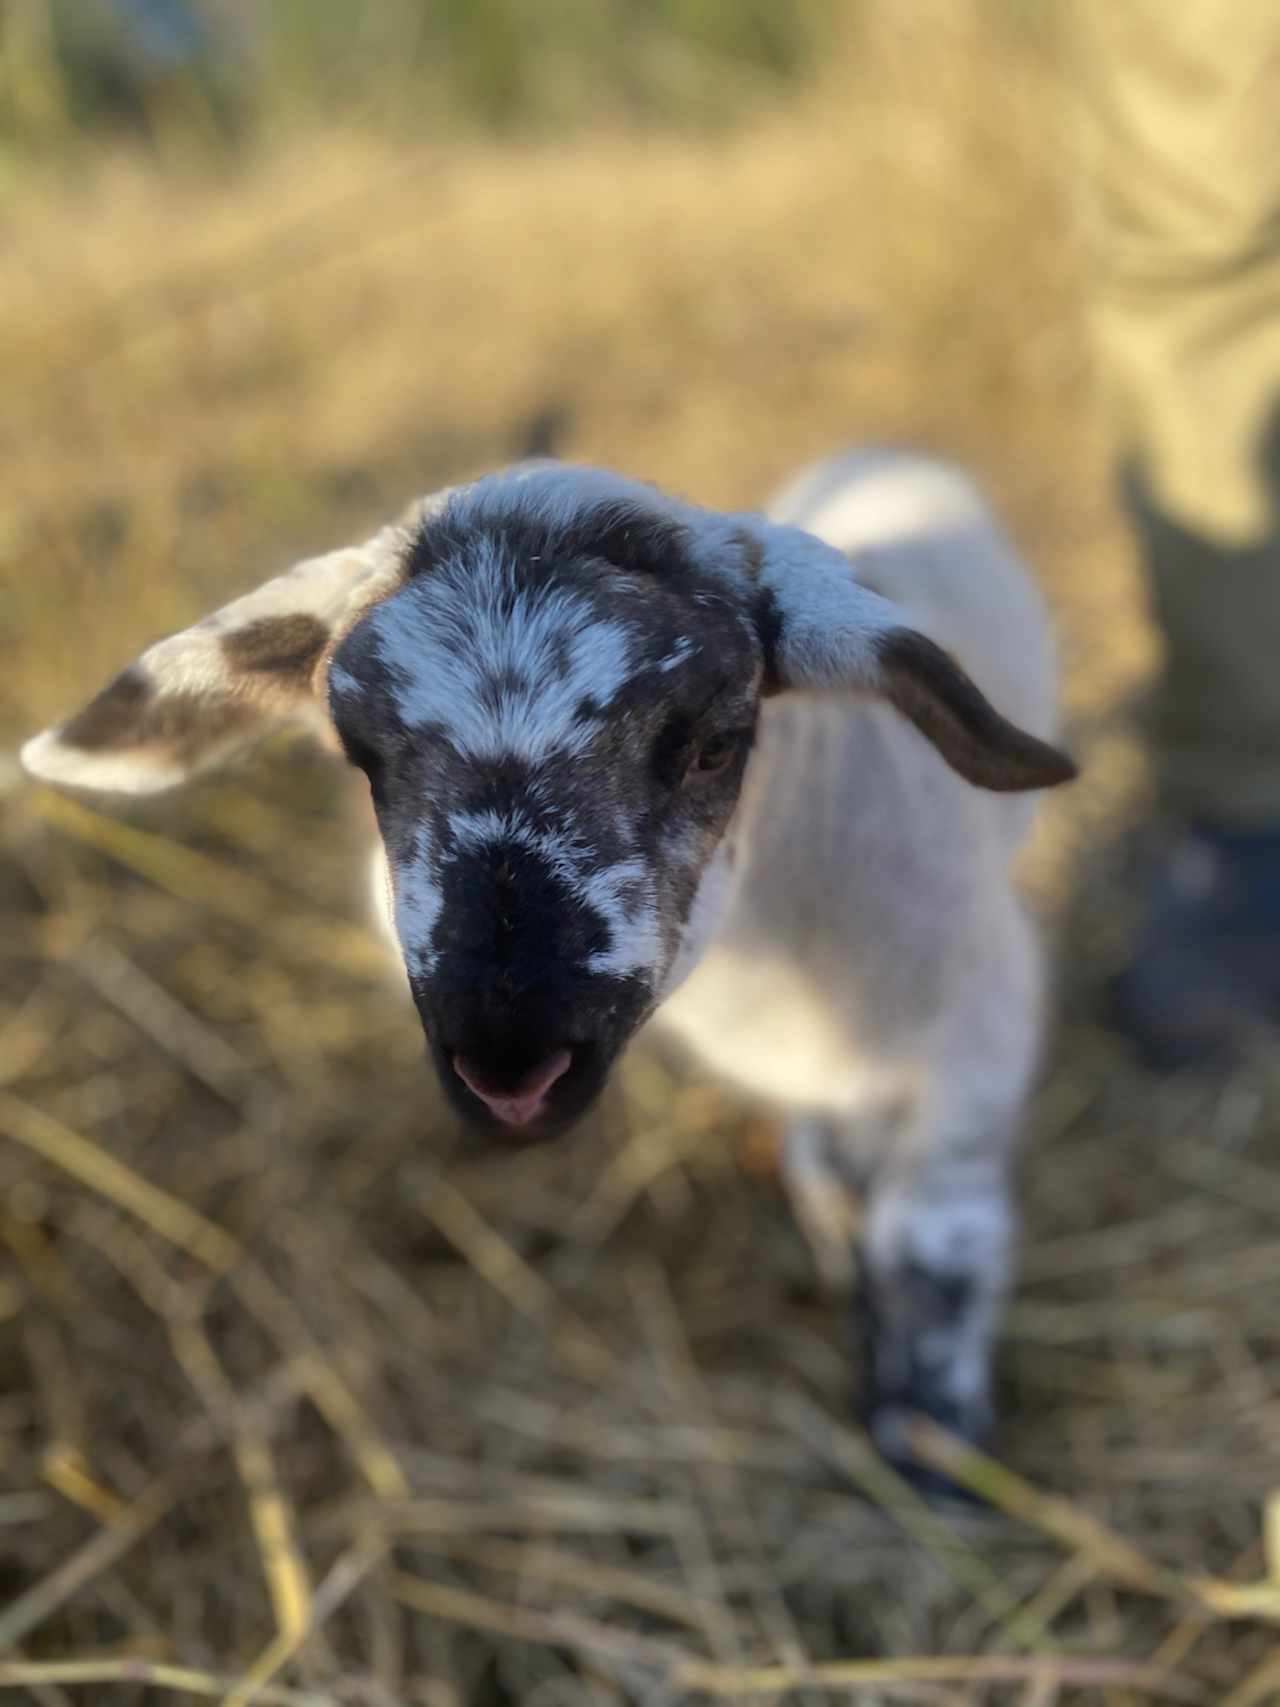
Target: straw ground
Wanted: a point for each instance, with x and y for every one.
(304, 1402)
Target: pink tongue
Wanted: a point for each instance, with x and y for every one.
(526, 1102)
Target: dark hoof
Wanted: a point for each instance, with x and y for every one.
(937, 1488)
(890, 1428)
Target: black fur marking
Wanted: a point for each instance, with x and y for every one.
(634, 537)
(500, 686)
(899, 1322)
(930, 689)
(112, 717)
(630, 535)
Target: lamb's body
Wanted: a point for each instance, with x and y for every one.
(765, 777)
(876, 976)
(872, 884)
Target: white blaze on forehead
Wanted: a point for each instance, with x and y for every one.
(500, 668)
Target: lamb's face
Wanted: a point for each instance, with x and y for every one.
(554, 722)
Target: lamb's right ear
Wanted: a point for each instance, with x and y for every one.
(202, 695)
(823, 631)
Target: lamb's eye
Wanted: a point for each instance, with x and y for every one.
(716, 753)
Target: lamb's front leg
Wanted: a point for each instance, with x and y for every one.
(934, 1266)
(922, 1225)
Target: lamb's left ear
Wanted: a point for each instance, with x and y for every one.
(822, 630)
(200, 696)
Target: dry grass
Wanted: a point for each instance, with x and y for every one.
(300, 1395)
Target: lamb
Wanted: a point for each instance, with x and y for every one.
(743, 774)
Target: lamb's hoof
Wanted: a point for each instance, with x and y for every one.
(890, 1425)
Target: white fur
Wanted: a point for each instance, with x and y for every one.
(472, 623)
(47, 757)
(874, 924)
(622, 894)
(876, 975)
(832, 622)
(880, 496)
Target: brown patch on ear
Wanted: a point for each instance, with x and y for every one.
(929, 688)
(132, 712)
(112, 717)
(286, 647)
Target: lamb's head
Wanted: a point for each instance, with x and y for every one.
(554, 711)
(551, 680)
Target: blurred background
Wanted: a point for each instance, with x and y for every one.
(295, 1388)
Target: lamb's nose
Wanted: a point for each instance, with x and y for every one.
(519, 1104)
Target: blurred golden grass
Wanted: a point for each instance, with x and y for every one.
(296, 1386)
(206, 374)
(224, 76)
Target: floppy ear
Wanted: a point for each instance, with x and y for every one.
(822, 630)
(200, 696)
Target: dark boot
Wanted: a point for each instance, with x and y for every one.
(1204, 981)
